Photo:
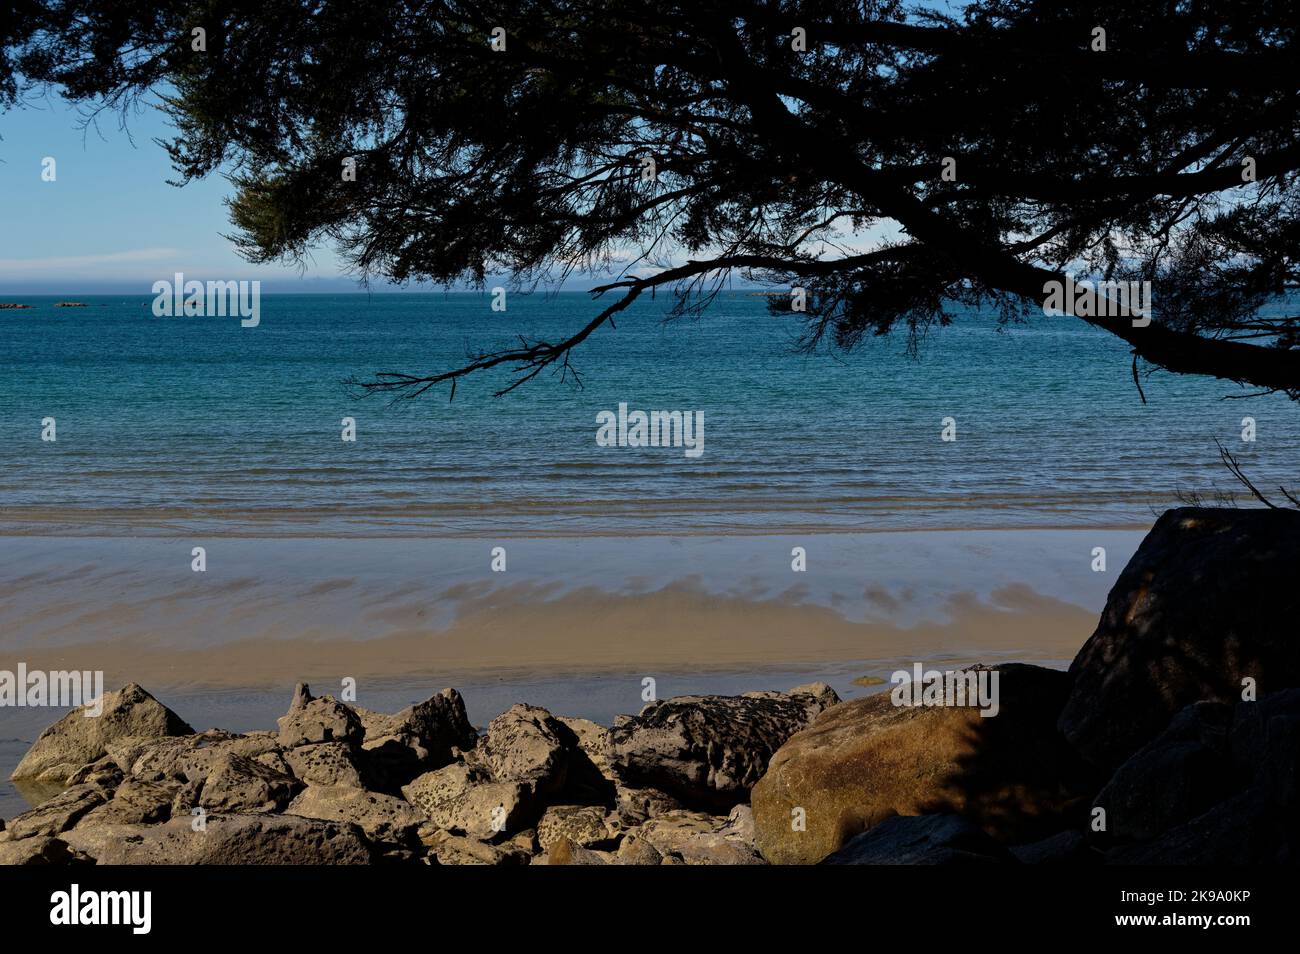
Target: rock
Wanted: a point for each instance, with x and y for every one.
(383, 818)
(461, 799)
(583, 825)
(239, 784)
(1068, 847)
(78, 739)
(865, 760)
(921, 840)
(823, 696)
(214, 770)
(592, 741)
(707, 751)
(418, 739)
(1264, 745)
(276, 761)
(695, 838)
(565, 852)
(1250, 770)
(503, 786)
(124, 752)
(525, 840)
(1181, 774)
(1208, 600)
(527, 744)
(311, 720)
(740, 824)
(188, 757)
(1244, 830)
(227, 840)
(451, 849)
(589, 778)
(138, 802)
(41, 850)
(56, 815)
(327, 763)
(635, 806)
(102, 772)
(634, 850)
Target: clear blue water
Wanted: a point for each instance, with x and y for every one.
(171, 424)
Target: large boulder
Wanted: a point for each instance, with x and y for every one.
(418, 739)
(1011, 774)
(709, 751)
(504, 785)
(1264, 744)
(463, 799)
(224, 840)
(1179, 775)
(1208, 600)
(79, 738)
(1243, 830)
(527, 744)
(1215, 788)
(311, 721)
(922, 840)
(236, 783)
(328, 763)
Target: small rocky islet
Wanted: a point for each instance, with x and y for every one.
(1174, 738)
(13, 305)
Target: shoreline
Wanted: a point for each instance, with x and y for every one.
(247, 532)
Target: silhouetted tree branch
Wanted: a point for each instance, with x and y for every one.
(1235, 468)
(1171, 157)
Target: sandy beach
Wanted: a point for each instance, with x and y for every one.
(269, 612)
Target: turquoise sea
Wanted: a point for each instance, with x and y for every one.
(171, 424)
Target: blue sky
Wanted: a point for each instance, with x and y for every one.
(110, 222)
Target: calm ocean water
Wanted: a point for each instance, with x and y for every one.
(176, 424)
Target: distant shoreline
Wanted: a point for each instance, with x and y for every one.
(61, 527)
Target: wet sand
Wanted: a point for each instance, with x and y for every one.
(268, 612)
(679, 628)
